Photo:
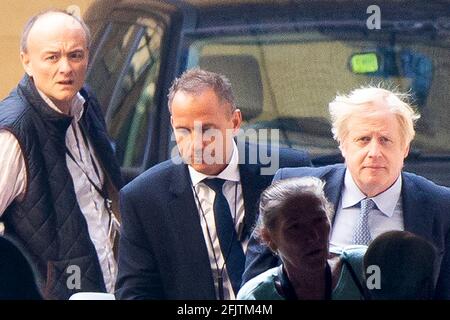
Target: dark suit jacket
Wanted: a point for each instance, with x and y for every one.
(162, 252)
(426, 212)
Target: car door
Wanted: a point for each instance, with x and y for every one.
(125, 73)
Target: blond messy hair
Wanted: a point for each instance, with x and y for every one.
(363, 100)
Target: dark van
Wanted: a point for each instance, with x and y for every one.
(286, 61)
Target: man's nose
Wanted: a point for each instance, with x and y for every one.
(197, 141)
(197, 137)
(374, 148)
(64, 65)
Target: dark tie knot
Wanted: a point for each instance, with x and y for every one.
(216, 184)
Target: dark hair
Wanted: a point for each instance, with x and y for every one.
(407, 265)
(195, 81)
(30, 23)
(17, 278)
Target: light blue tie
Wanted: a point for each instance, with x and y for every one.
(361, 234)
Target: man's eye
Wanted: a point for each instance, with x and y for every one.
(51, 58)
(77, 55)
(182, 132)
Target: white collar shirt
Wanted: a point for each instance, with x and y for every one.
(204, 198)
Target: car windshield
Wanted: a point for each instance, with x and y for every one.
(290, 77)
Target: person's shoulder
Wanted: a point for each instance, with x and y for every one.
(261, 287)
(90, 97)
(354, 252)
(424, 185)
(351, 273)
(318, 172)
(155, 177)
(292, 152)
(286, 156)
(290, 157)
(13, 107)
(434, 199)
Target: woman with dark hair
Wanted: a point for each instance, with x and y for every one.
(406, 267)
(17, 280)
(294, 223)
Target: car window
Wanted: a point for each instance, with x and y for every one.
(285, 81)
(124, 75)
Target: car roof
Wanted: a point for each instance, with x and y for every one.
(204, 14)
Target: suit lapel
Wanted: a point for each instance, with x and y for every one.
(185, 217)
(333, 187)
(250, 186)
(253, 183)
(417, 213)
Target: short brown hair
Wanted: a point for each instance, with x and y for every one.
(195, 81)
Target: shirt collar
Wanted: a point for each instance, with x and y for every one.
(76, 109)
(231, 171)
(385, 201)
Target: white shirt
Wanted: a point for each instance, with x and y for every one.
(13, 181)
(387, 216)
(232, 190)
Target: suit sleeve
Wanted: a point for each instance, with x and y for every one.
(138, 276)
(443, 283)
(292, 158)
(259, 257)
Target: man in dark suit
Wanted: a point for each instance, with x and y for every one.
(371, 194)
(186, 224)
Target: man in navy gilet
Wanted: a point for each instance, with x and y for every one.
(57, 168)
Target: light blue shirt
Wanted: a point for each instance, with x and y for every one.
(388, 215)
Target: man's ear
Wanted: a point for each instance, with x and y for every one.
(406, 151)
(342, 149)
(237, 120)
(26, 63)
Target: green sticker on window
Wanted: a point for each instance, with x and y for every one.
(364, 63)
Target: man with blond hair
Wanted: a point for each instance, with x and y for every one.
(58, 173)
(370, 192)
